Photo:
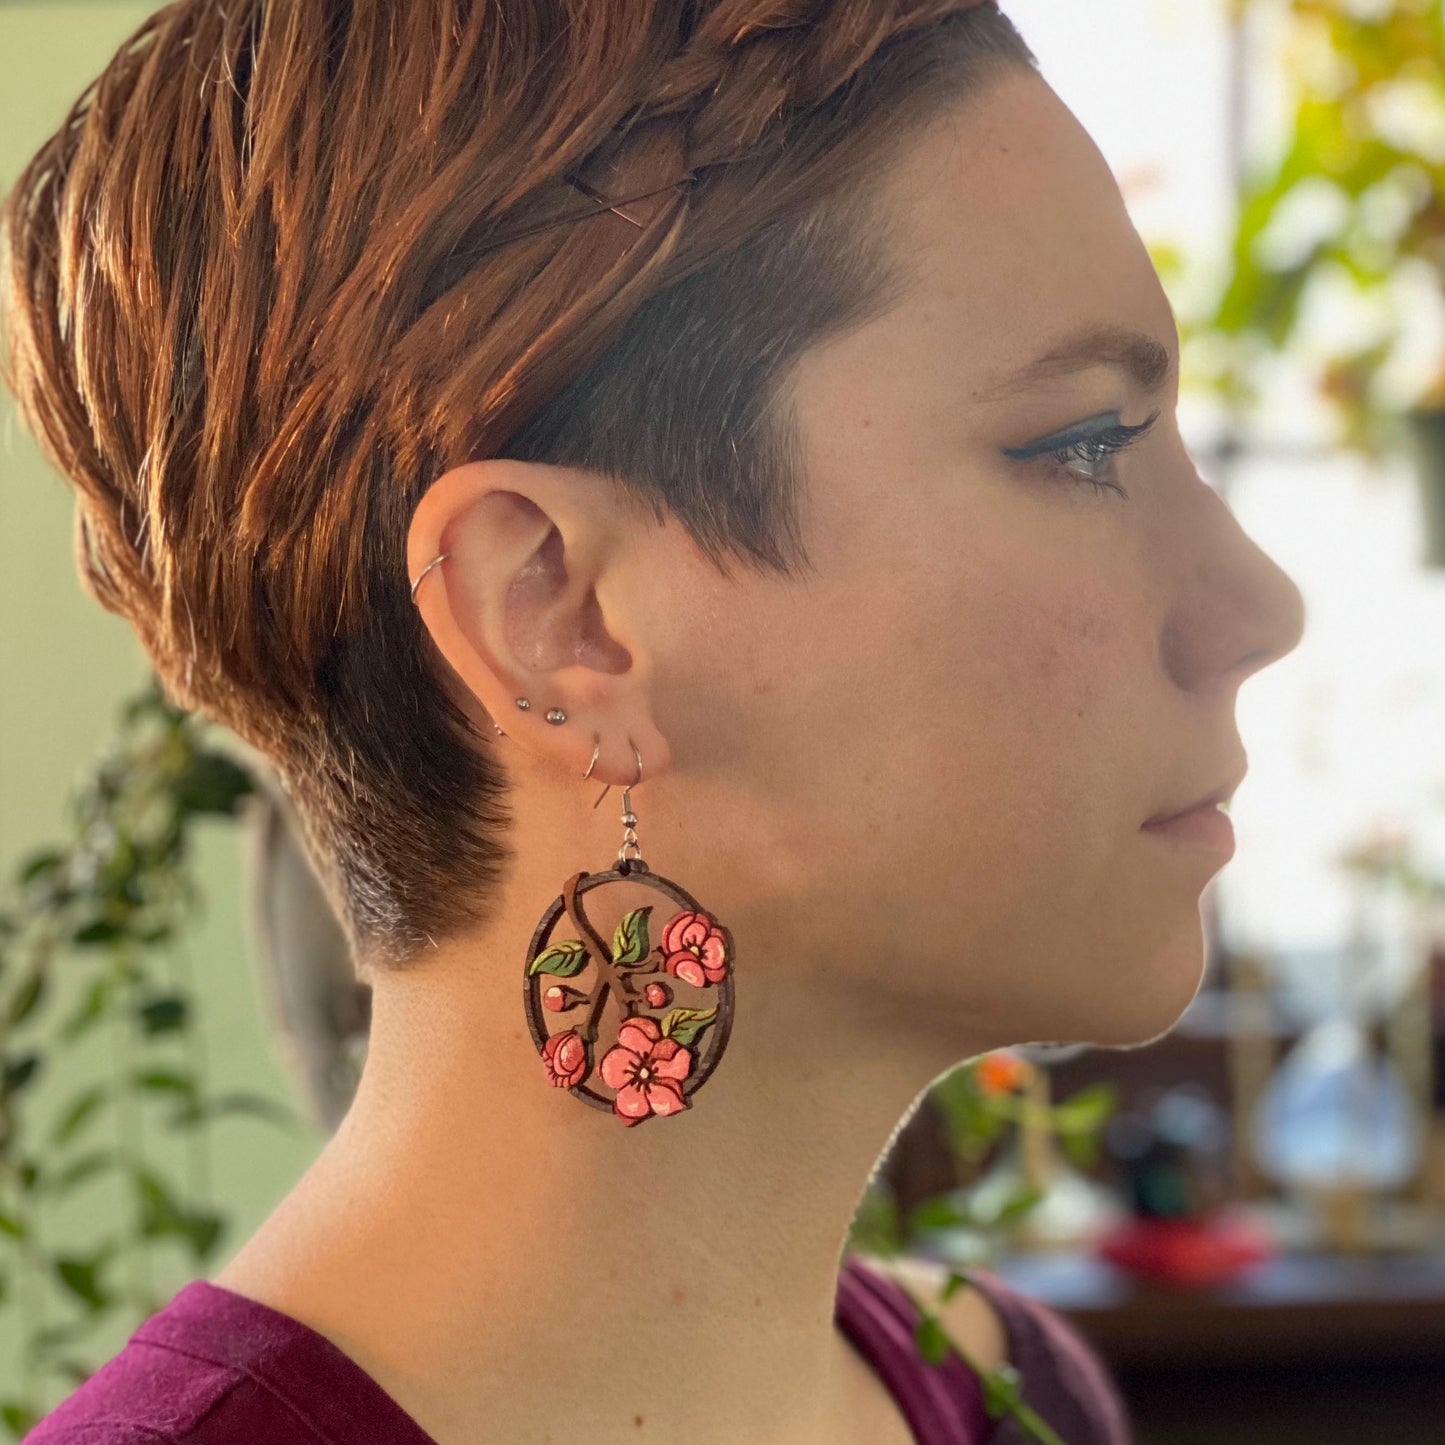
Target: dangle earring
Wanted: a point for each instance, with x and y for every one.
(664, 1047)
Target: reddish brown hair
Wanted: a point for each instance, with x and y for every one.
(283, 265)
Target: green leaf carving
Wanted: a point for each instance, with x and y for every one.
(685, 1024)
(565, 960)
(629, 942)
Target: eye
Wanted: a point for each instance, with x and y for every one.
(1086, 452)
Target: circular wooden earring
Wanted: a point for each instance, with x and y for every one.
(672, 999)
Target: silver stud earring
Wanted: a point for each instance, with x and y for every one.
(553, 715)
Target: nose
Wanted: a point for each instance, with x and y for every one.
(1233, 609)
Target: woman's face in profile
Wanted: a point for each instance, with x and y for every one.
(1005, 664)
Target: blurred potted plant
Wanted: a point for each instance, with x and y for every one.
(1355, 203)
(996, 1104)
(92, 953)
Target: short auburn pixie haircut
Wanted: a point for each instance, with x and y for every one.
(283, 264)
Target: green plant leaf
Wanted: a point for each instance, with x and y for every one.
(1000, 1390)
(76, 1371)
(953, 1284)
(90, 1010)
(242, 1102)
(876, 1227)
(160, 1213)
(19, 1072)
(37, 865)
(27, 995)
(81, 1276)
(629, 942)
(685, 1024)
(19, 1416)
(1081, 1149)
(11, 1226)
(160, 1015)
(81, 1107)
(1019, 1205)
(78, 1170)
(166, 1081)
(932, 1341)
(211, 783)
(204, 1231)
(938, 1212)
(53, 1336)
(97, 931)
(1088, 1109)
(565, 960)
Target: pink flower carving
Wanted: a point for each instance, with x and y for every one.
(565, 1057)
(647, 1071)
(694, 948)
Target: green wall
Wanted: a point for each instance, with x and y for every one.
(65, 665)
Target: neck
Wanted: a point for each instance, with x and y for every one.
(492, 1249)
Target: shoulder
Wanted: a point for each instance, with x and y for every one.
(97, 1432)
(141, 1396)
(1061, 1375)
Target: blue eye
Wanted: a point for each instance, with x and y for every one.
(1087, 451)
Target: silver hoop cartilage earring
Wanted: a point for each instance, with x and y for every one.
(440, 557)
(658, 1061)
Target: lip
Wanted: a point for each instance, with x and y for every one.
(1203, 826)
(1222, 794)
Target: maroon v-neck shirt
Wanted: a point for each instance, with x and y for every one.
(217, 1368)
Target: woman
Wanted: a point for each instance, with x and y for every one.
(431, 366)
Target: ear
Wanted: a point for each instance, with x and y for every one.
(517, 610)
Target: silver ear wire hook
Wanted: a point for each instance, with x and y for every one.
(629, 818)
(626, 799)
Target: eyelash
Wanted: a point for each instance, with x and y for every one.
(1094, 448)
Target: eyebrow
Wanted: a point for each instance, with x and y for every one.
(1146, 363)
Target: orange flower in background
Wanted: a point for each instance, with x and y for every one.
(1001, 1072)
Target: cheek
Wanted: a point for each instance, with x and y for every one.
(1045, 668)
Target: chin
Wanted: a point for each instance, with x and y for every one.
(1153, 998)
